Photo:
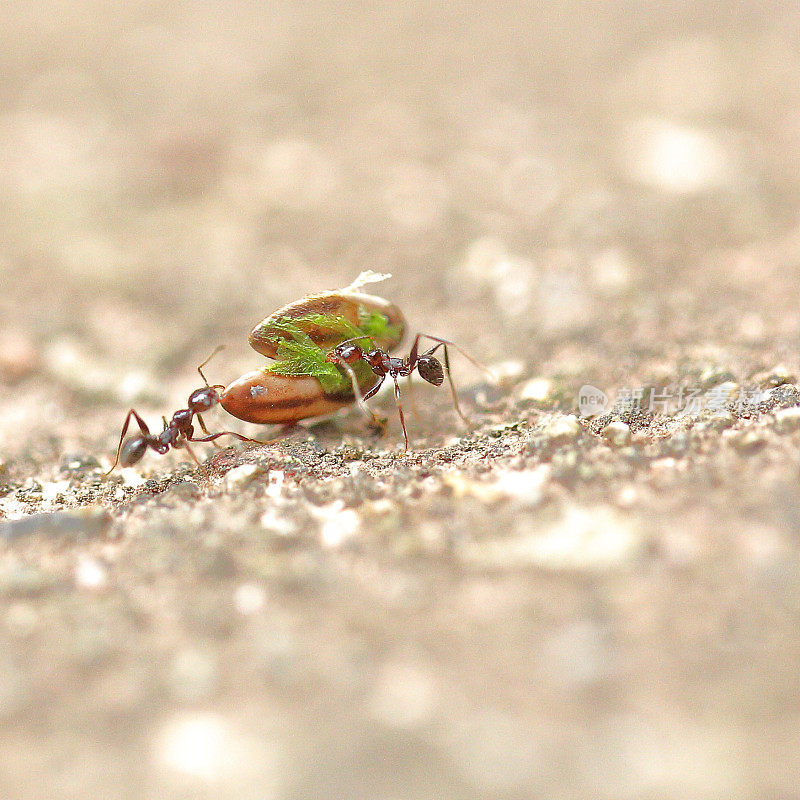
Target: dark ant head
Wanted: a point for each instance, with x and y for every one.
(132, 451)
(345, 353)
(430, 369)
(203, 399)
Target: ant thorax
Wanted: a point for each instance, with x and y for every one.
(380, 361)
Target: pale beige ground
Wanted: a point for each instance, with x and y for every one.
(545, 607)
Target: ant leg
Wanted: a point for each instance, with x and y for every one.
(378, 424)
(213, 436)
(204, 429)
(457, 347)
(412, 398)
(185, 443)
(360, 398)
(374, 390)
(463, 352)
(142, 427)
(449, 374)
(400, 410)
(452, 386)
(444, 344)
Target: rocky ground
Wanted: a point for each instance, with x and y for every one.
(591, 592)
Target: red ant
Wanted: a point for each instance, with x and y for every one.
(179, 431)
(382, 364)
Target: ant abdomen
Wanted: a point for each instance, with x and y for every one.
(132, 451)
(430, 370)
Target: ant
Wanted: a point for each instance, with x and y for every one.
(179, 431)
(382, 364)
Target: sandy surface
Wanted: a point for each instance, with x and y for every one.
(550, 605)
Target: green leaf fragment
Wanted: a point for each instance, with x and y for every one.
(299, 355)
(334, 323)
(296, 358)
(376, 326)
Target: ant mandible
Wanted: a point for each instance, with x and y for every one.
(382, 364)
(179, 431)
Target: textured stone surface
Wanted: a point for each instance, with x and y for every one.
(546, 605)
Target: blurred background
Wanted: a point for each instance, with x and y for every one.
(601, 193)
(531, 175)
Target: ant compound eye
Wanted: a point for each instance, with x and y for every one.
(132, 451)
(430, 369)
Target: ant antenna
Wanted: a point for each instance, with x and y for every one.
(200, 368)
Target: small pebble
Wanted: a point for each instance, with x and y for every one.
(776, 376)
(535, 389)
(677, 158)
(183, 490)
(337, 523)
(507, 370)
(787, 419)
(616, 433)
(130, 477)
(715, 375)
(628, 496)
(278, 523)
(274, 483)
(242, 476)
(677, 444)
(522, 486)
(749, 441)
(719, 421)
(84, 524)
(563, 428)
(77, 463)
(90, 574)
(583, 538)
